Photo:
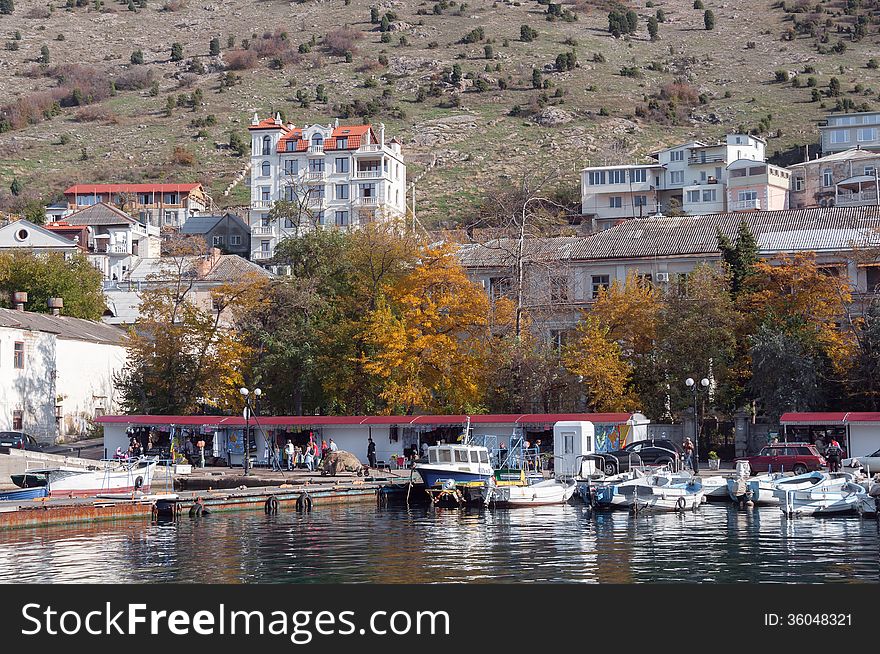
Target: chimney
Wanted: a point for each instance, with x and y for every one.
(255, 120)
(56, 304)
(19, 299)
(382, 134)
(336, 123)
(278, 118)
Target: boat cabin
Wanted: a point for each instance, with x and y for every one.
(458, 454)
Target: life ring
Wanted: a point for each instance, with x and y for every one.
(138, 482)
(304, 502)
(271, 505)
(681, 503)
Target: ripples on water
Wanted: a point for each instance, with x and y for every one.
(419, 545)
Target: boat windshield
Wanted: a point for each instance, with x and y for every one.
(432, 456)
(461, 456)
(484, 456)
(444, 456)
(475, 456)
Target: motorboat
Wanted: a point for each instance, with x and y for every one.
(23, 494)
(834, 493)
(759, 488)
(455, 463)
(117, 476)
(549, 491)
(661, 491)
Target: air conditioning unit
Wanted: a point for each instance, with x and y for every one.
(662, 276)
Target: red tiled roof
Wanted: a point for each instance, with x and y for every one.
(354, 133)
(270, 421)
(86, 189)
(267, 123)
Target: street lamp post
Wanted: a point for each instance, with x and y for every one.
(690, 383)
(247, 426)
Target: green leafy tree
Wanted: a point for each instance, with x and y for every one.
(42, 276)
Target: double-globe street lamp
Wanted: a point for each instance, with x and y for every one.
(247, 425)
(691, 384)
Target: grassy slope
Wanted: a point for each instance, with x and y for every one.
(475, 153)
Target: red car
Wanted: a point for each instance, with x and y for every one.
(784, 457)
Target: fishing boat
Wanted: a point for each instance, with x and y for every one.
(118, 476)
(542, 493)
(834, 493)
(460, 464)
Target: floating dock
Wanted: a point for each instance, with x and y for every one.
(270, 499)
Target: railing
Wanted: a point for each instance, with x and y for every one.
(261, 231)
(715, 158)
(855, 199)
(261, 255)
(262, 204)
(368, 202)
(315, 176)
(368, 174)
(316, 149)
(372, 147)
(744, 205)
(315, 202)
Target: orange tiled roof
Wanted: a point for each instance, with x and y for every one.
(266, 123)
(94, 189)
(354, 134)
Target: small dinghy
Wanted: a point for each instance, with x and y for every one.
(549, 491)
(658, 492)
(833, 493)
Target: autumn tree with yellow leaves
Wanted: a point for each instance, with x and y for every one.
(429, 336)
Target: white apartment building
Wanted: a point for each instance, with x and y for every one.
(693, 175)
(845, 131)
(338, 176)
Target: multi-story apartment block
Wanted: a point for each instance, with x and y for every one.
(159, 205)
(842, 179)
(332, 175)
(845, 131)
(692, 177)
(756, 185)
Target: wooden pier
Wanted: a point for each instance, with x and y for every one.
(270, 499)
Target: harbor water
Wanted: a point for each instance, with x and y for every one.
(395, 544)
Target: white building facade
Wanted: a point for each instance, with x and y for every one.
(334, 176)
(56, 373)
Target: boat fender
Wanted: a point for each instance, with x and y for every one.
(271, 505)
(304, 502)
(138, 482)
(681, 503)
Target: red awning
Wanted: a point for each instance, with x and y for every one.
(814, 418)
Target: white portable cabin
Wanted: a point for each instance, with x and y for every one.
(572, 440)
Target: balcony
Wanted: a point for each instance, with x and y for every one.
(316, 149)
(856, 199)
(372, 147)
(314, 176)
(367, 202)
(260, 230)
(368, 174)
(315, 203)
(708, 159)
(745, 205)
(262, 204)
(261, 255)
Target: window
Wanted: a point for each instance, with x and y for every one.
(264, 246)
(693, 196)
(318, 140)
(267, 145)
(235, 240)
(872, 277)
(288, 223)
(317, 192)
(638, 175)
(839, 135)
(827, 178)
(676, 177)
(615, 202)
(461, 456)
(599, 282)
(86, 200)
(870, 171)
(640, 200)
(444, 456)
(265, 194)
(219, 240)
(484, 456)
(290, 193)
(170, 217)
(341, 218)
(17, 420)
(291, 167)
(798, 183)
(18, 355)
(709, 195)
(368, 190)
(558, 289)
(385, 165)
(342, 191)
(867, 134)
(144, 198)
(558, 338)
(746, 196)
(567, 443)
(319, 217)
(702, 175)
(597, 177)
(316, 165)
(341, 142)
(290, 146)
(172, 198)
(676, 155)
(342, 165)
(500, 287)
(432, 456)
(475, 456)
(617, 177)
(265, 169)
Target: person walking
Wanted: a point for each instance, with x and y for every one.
(833, 455)
(371, 452)
(333, 446)
(290, 451)
(310, 456)
(688, 447)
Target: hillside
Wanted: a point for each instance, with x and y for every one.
(596, 112)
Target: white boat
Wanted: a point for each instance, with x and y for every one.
(122, 476)
(549, 491)
(452, 464)
(760, 488)
(835, 493)
(714, 487)
(662, 491)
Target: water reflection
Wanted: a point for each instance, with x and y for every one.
(422, 545)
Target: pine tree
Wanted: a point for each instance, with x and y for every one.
(214, 47)
(176, 52)
(739, 257)
(15, 187)
(709, 19)
(137, 57)
(653, 28)
(44, 54)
